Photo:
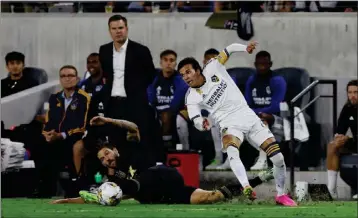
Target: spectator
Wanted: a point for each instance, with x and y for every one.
(128, 68)
(95, 82)
(16, 81)
(140, 7)
(347, 6)
(343, 144)
(65, 125)
(194, 6)
(215, 132)
(218, 163)
(264, 92)
(210, 53)
(167, 94)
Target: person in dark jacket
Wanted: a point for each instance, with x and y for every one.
(65, 124)
(166, 94)
(264, 92)
(129, 70)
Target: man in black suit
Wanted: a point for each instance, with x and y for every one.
(129, 69)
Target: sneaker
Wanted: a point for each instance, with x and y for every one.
(261, 164)
(213, 165)
(249, 193)
(285, 200)
(89, 197)
(266, 175)
(224, 166)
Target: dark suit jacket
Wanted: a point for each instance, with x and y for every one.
(139, 69)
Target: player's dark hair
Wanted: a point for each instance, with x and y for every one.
(211, 51)
(263, 54)
(168, 52)
(69, 67)
(105, 144)
(117, 17)
(190, 60)
(94, 54)
(14, 56)
(352, 83)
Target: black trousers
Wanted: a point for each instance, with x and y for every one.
(150, 149)
(50, 159)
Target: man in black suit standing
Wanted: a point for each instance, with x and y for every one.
(128, 68)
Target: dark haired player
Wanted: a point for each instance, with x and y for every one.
(158, 184)
(212, 89)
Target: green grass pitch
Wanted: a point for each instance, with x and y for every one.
(41, 208)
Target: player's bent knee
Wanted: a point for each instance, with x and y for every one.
(271, 149)
(230, 140)
(201, 196)
(78, 148)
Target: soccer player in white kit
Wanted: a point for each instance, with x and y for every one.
(212, 89)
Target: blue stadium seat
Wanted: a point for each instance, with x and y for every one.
(241, 75)
(349, 170)
(37, 74)
(297, 79)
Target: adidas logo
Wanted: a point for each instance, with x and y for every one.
(351, 118)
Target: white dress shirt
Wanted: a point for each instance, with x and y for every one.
(119, 59)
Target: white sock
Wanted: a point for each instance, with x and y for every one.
(262, 156)
(332, 181)
(215, 133)
(279, 172)
(183, 132)
(236, 165)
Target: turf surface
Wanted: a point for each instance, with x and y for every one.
(41, 208)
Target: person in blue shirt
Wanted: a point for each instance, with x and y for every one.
(167, 94)
(95, 82)
(264, 92)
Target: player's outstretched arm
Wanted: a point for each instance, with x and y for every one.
(78, 200)
(224, 55)
(99, 121)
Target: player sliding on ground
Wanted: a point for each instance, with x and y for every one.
(213, 89)
(158, 184)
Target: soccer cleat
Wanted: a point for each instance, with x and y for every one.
(285, 200)
(89, 197)
(249, 193)
(261, 164)
(355, 197)
(333, 194)
(266, 175)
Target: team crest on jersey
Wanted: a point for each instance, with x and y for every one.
(73, 106)
(120, 174)
(215, 79)
(199, 91)
(268, 90)
(224, 130)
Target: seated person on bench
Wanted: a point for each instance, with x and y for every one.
(341, 143)
(65, 125)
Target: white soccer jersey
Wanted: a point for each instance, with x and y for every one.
(219, 95)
